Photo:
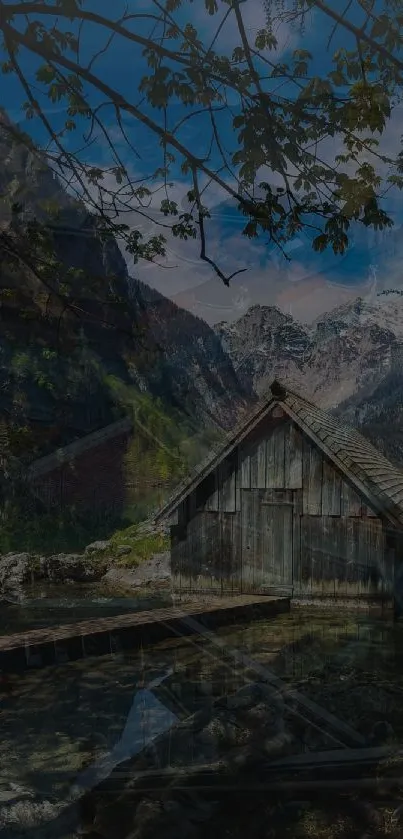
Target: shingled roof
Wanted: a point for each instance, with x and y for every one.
(373, 475)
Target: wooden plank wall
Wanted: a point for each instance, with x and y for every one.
(343, 557)
(329, 541)
(206, 556)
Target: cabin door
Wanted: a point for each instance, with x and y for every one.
(276, 542)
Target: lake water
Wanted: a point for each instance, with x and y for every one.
(63, 728)
(56, 605)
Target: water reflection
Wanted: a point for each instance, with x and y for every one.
(58, 605)
(122, 717)
(147, 719)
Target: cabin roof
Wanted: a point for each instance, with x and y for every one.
(373, 475)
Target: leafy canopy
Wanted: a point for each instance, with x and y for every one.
(283, 113)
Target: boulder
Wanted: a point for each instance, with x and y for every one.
(152, 572)
(76, 568)
(16, 570)
(121, 577)
(122, 550)
(98, 547)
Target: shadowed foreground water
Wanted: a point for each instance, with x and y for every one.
(67, 727)
(55, 605)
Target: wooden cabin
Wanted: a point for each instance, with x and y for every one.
(293, 502)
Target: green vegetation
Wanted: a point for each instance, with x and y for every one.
(70, 532)
(143, 545)
(36, 531)
(161, 452)
(283, 110)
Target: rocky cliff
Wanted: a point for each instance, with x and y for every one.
(77, 331)
(346, 350)
(348, 360)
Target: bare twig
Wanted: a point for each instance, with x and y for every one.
(203, 255)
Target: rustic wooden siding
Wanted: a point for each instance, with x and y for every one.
(293, 457)
(206, 555)
(248, 530)
(278, 514)
(312, 479)
(343, 557)
(210, 494)
(275, 458)
(331, 490)
(266, 539)
(227, 475)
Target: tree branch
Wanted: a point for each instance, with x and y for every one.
(203, 255)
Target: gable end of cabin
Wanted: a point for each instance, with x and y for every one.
(277, 515)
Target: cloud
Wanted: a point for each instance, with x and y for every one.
(181, 274)
(254, 17)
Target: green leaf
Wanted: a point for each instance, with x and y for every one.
(211, 6)
(250, 229)
(238, 54)
(380, 27)
(45, 74)
(265, 40)
(169, 207)
(338, 78)
(320, 243)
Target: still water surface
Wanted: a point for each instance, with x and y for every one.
(65, 727)
(55, 605)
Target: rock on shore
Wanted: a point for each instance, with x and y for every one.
(153, 572)
(98, 563)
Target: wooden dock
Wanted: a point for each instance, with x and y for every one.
(106, 636)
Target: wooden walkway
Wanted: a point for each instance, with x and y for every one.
(103, 636)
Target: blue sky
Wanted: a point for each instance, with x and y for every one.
(121, 67)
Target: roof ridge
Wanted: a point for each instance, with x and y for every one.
(351, 452)
(340, 425)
